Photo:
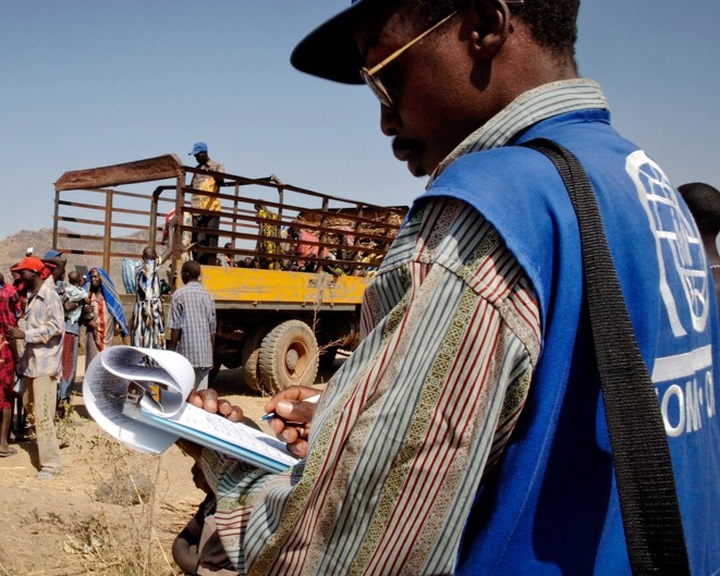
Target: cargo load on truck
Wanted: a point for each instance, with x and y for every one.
(287, 275)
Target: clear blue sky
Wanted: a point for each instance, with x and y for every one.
(88, 83)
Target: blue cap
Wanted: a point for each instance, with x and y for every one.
(52, 254)
(197, 148)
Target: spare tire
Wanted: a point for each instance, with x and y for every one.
(288, 356)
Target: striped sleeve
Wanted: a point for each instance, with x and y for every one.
(410, 423)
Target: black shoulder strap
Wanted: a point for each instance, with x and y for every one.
(641, 456)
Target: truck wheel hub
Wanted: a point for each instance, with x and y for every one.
(291, 359)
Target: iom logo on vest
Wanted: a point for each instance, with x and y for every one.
(684, 381)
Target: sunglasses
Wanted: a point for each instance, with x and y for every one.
(373, 81)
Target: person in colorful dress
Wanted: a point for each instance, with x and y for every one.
(102, 314)
(8, 320)
(148, 323)
(268, 234)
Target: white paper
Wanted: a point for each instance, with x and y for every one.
(152, 427)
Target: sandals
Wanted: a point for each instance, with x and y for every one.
(10, 452)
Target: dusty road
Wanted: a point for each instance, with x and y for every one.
(59, 527)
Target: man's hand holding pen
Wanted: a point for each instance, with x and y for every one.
(291, 412)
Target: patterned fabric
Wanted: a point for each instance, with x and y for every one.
(148, 324)
(7, 373)
(103, 334)
(264, 244)
(110, 294)
(192, 311)
(206, 183)
(69, 363)
(417, 416)
(8, 307)
(452, 333)
(130, 269)
(202, 533)
(44, 328)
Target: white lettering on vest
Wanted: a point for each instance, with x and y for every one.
(685, 406)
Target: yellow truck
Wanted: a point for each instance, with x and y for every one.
(288, 272)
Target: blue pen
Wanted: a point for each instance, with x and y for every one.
(312, 400)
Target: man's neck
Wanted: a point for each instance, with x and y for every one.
(37, 284)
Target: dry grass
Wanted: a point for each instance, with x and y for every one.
(97, 538)
(59, 527)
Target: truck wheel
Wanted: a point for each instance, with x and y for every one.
(288, 356)
(249, 369)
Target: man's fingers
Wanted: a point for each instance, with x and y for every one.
(208, 400)
(230, 411)
(295, 411)
(291, 434)
(205, 399)
(299, 448)
(292, 393)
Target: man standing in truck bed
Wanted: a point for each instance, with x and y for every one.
(209, 201)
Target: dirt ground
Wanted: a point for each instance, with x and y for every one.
(59, 527)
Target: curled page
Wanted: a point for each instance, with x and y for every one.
(166, 374)
(139, 395)
(105, 394)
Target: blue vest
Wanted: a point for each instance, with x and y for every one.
(551, 505)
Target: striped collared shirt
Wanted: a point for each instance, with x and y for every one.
(409, 425)
(527, 109)
(192, 311)
(44, 328)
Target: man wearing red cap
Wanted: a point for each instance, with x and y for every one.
(41, 363)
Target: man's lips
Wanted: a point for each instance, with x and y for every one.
(404, 150)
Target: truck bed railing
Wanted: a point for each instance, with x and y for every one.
(105, 214)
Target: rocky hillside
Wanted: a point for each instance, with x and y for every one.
(12, 250)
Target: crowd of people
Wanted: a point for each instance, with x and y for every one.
(467, 433)
(45, 312)
(295, 246)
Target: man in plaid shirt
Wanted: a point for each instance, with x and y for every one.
(192, 323)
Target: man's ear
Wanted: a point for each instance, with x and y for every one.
(490, 21)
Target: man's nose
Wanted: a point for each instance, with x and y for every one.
(389, 120)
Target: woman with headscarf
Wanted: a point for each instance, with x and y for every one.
(148, 325)
(102, 314)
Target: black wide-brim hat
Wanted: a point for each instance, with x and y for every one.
(329, 51)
